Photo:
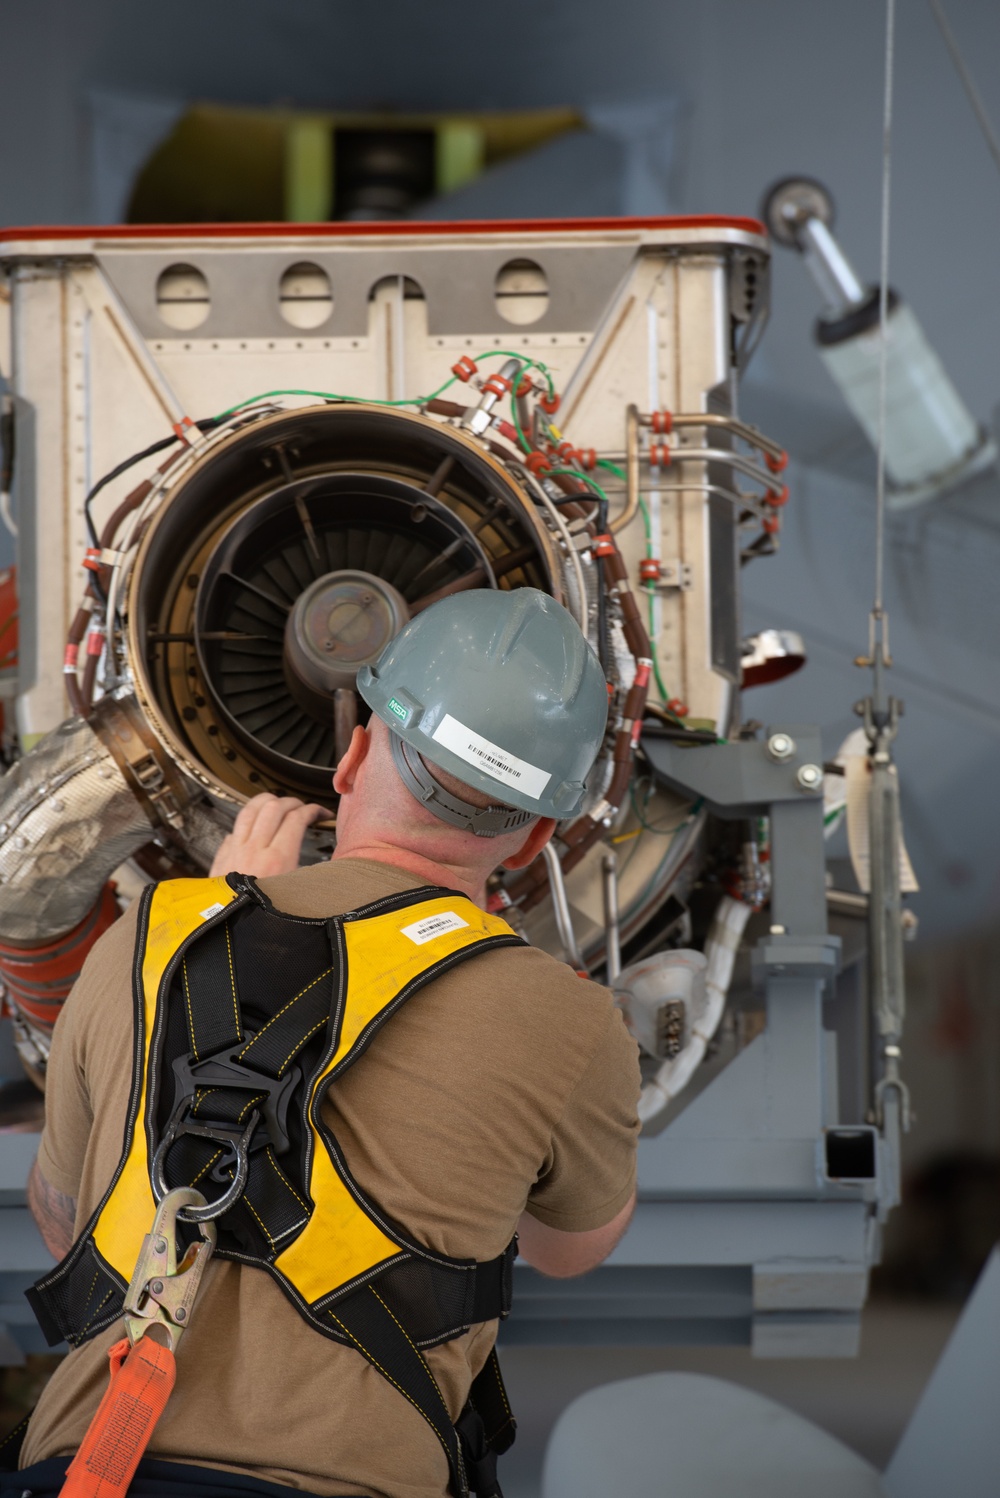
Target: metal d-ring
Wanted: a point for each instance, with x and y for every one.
(229, 1198)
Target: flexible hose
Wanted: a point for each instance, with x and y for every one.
(724, 937)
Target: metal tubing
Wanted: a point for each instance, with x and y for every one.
(829, 266)
(732, 424)
(560, 908)
(631, 470)
(612, 934)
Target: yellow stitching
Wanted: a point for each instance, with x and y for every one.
(247, 1106)
(391, 1380)
(86, 1327)
(90, 1292)
(284, 1179)
(187, 995)
(232, 983)
(283, 1008)
(263, 1229)
(204, 1168)
(503, 1392)
(201, 1093)
(410, 1340)
(300, 1043)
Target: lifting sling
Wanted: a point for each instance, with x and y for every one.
(245, 1016)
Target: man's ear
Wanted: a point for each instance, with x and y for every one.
(346, 772)
(533, 844)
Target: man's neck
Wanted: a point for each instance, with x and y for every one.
(454, 876)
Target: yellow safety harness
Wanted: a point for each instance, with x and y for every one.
(245, 1017)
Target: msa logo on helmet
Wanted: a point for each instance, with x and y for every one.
(401, 712)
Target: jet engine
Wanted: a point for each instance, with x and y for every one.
(268, 552)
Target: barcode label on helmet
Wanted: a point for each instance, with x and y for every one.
(433, 925)
(498, 763)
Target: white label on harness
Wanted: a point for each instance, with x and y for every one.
(433, 925)
(490, 758)
(211, 910)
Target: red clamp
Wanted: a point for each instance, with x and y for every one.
(659, 454)
(70, 658)
(526, 386)
(569, 455)
(464, 369)
(678, 708)
(538, 463)
(772, 524)
(662, 422)
(497, 384)
(92, 558)
(650, 570)
(588, 459)
(507, 429)
(777, 500)
(776, 465)
(604, 546)
(550, 403)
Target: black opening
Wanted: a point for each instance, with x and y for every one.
(381, 174)
(850, 1154)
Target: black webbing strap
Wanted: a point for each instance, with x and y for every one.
(486, 1428)
(244, 1064)
(10, 1446)
(369, 1325)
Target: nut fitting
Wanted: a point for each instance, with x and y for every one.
(781, 746)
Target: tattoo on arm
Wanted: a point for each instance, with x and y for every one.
(54, 1212)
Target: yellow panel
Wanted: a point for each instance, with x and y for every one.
(340, 1241)
(175, 911)
(309, 170)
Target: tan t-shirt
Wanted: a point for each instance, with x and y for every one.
(507, 1083)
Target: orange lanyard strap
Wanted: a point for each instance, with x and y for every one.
(142, 1378)
(143, 1367)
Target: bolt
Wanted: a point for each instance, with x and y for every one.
(180, 1314)
(781, 746)
(810, 777)
(160, 1246)
(156, 1286)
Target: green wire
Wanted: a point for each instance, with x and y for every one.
(415, 400)
(650, 598)
(619, 473)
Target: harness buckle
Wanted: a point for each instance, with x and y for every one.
(224, 1069)
(239, 1143)
(162, 1292)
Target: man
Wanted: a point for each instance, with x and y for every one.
(501, 1097)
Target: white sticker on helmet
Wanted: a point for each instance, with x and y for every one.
(498, 763)
(433, 925)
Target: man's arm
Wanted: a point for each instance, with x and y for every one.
(562, 1255)
(54, 1213)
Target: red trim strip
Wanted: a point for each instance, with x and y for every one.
(376, 230)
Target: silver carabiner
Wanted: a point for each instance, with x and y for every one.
(232, 1194)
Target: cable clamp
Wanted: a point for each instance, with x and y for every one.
(464, 369)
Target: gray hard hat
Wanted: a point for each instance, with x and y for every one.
(501, 690)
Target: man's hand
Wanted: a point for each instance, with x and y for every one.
(563, 1255)
(54, 1212)
(266, 837)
